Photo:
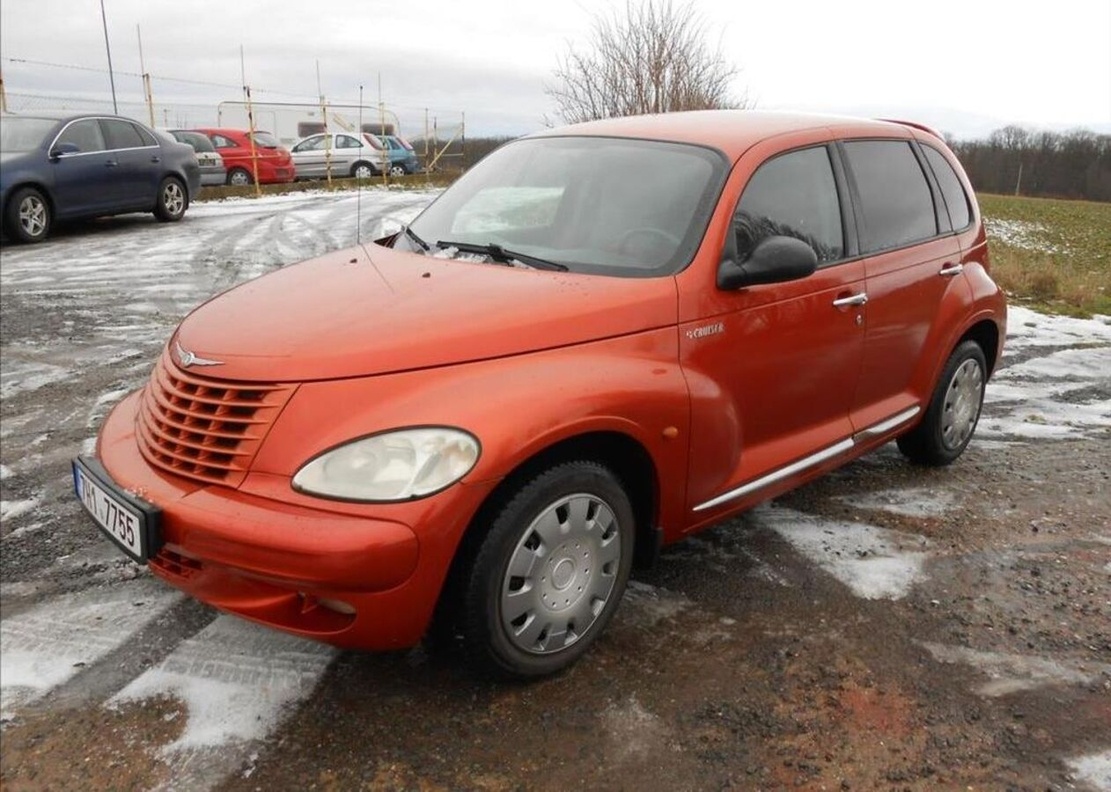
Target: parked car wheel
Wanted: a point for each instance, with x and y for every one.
(362, 170)
(237, 177)
(28, 215)
(549, 574)
(173, 200)
(951, 418)
(398, 170)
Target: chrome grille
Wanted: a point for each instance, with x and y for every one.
(204, 428)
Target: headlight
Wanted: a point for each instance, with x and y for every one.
(401, 465)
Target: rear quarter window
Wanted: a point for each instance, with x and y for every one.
(895, 197)
(956, 199)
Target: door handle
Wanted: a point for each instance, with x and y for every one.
(951, 269)
(111, 164)
(854, 299)
(155, 159)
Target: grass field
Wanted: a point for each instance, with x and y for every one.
(1050, 254)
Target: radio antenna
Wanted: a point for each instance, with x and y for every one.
(359, 182)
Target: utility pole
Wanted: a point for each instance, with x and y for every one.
(111, 74)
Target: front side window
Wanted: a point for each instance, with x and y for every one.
(312, 144)
(84, 134)
(894, 195)
(613, 206)
(794, 195)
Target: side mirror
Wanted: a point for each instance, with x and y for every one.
(62, 149)
(775, 259)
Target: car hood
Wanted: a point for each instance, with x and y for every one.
(372, 310)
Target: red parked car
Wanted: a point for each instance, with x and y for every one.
(601, 339)
(275, 165)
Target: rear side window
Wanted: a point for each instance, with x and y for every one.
(894, 195)
(956, 200)
(121, 135)
(795, 195)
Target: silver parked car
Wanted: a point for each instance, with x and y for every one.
(212, 164)
(343, 153)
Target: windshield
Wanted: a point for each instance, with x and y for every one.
(24, 134)
(613, 206)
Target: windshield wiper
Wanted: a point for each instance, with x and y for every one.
(500, 254)
(413, 236)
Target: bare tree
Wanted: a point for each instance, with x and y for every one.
(654, 60)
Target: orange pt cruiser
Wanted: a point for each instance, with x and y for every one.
(601, 339)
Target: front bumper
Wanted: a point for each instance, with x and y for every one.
(359, 579)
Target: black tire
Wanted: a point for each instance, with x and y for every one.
(28, 215)
(172, 201)
(398, 170)
(954, 410)
(568, 533)
(237, 177)
(362, 170)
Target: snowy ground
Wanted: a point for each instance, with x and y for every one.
(878, 569)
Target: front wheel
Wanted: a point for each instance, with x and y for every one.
(548, 576)
(172, 200)
(954, 410)
(398, 170)
(28, 215)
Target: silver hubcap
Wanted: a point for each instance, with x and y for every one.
(173, 198)
(363, 172)
(32, 215)
(561, 574)
(239, 178)
(962, 404)
(397, 170)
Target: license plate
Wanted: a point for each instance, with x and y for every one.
(126, 520)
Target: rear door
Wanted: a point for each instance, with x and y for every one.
(911, 259)
(138, 163)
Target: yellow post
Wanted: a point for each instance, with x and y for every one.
(251, 137)
(3, 95)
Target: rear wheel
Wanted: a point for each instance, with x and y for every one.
(954, 410)
(548, 576)
(398, 170)
(172, 201)
(28, 215)
(237, 177)
(362, 170)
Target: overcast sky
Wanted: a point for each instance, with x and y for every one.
(964, 66)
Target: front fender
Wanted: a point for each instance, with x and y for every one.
(516, 406)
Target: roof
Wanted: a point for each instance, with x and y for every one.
(731, 131)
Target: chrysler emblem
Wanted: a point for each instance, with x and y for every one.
(187, 358)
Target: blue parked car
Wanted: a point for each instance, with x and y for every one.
(62, 167)
(403, 159)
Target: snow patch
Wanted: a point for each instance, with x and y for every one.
(45, 647)
(236, 679)
(10, 509)
(1094, 770)
(1010, 673)
(875, 563)
(919, 502)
